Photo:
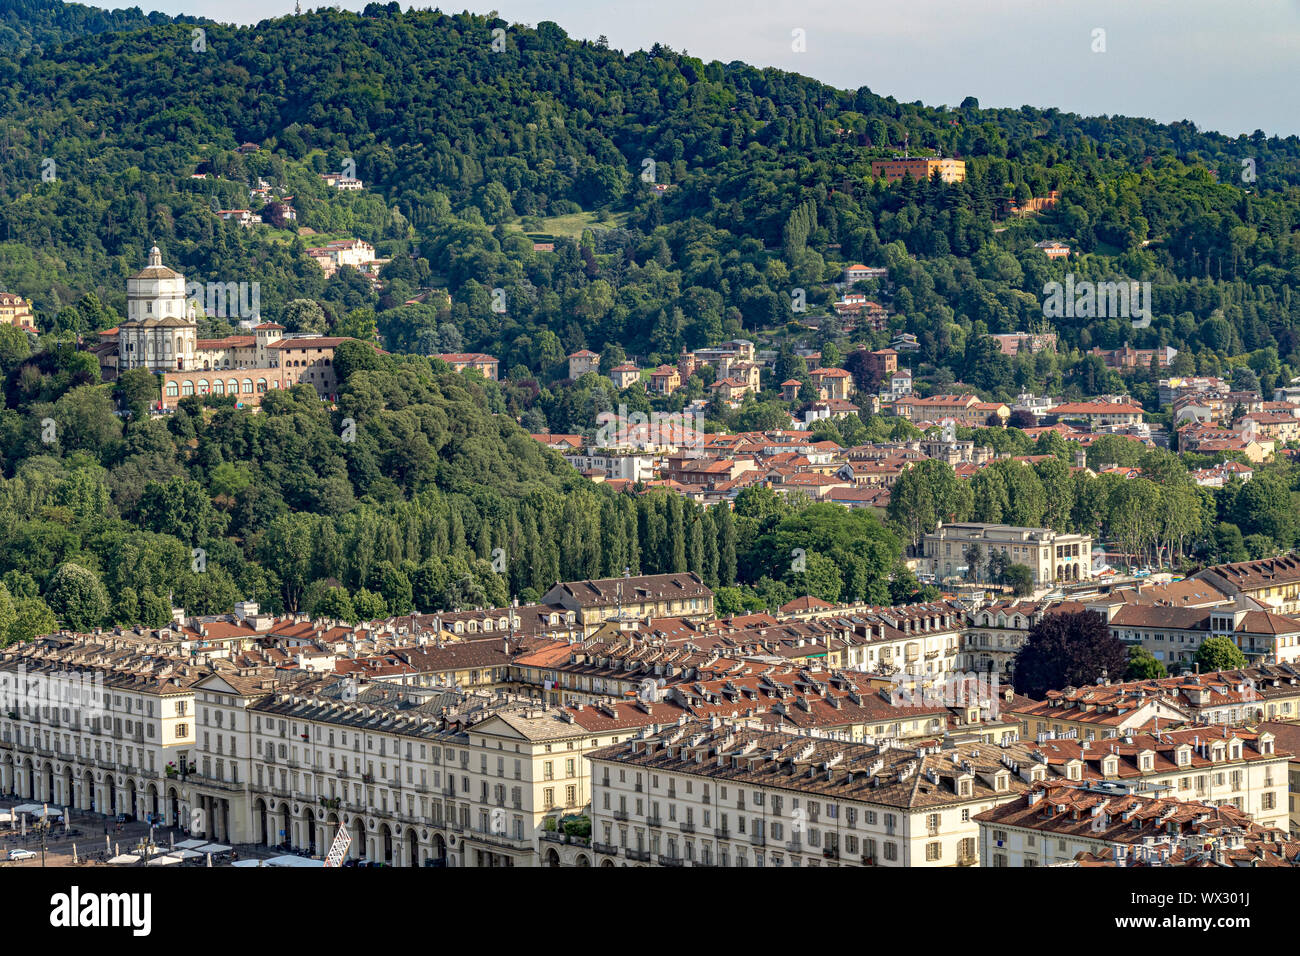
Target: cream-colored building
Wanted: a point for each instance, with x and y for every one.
(1054, 823)
(704, 794)
(98, 722)
(651, 595)
(995, 633)
(912, 639)
(15, 310)
(421, 777)
(1287, 740)
(1051, 555)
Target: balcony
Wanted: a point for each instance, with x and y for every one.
(639, 856)
(655, 821)
(757, 839)
(722, 833)
(609, 849)
(620, 815)
(686, 827)
(499, 840)
(831, 853)
(665, 860)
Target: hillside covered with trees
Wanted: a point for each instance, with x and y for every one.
(470, 156)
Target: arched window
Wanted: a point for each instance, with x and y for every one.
(187, 387)
(232, 387)
(261, 385)
(203, 386)
(218, 387)
(248, 386)
(172, 390)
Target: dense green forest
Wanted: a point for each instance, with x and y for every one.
(465, 151)
(122, 131)
(105, 522)
(27, 24)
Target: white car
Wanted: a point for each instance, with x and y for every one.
(21, 855)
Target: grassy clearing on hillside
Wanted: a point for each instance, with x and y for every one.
(572, 224)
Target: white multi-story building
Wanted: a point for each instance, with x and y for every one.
(707, 794)
(98, 722)
(1056, 823)
(159, 333)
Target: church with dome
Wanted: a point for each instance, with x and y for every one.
(161, 334)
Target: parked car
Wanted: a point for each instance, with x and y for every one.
(21, 854)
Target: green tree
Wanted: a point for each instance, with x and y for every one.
(1142, 665)
(334, 604)
(304, 315)
(923, 496)
(74, 593)
(368, 606)
(32, 618)
(1218, 654)
(1020, 578)
(8, 615)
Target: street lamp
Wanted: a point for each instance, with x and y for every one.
(42, 829)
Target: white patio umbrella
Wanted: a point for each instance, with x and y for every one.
(209, 859)
(74, 854)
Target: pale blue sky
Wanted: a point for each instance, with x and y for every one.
(1229, 66)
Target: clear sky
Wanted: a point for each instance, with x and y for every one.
(1228, 65)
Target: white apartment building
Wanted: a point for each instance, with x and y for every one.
(102, 723)
(706, 794)
(418, 776)
(612, 466)
(914, 639)
(1053, 823)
